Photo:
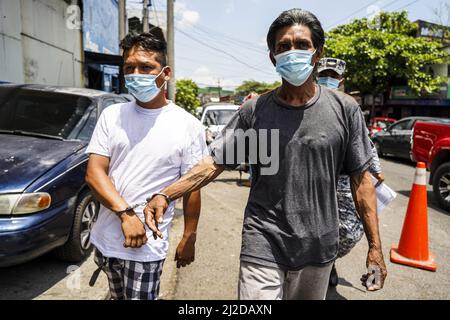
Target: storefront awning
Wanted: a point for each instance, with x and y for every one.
(419, 102)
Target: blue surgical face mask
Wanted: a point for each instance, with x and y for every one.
(143, 86)
(329, 82)
(295, 66)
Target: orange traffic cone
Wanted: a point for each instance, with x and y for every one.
(413, 247)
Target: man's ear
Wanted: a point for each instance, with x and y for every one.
(318, 55)
(167, 73)
(272, 58)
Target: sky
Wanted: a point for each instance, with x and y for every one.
(225, 40)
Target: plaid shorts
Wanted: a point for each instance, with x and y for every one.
(131, 280)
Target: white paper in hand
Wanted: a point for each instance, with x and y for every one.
(385, 195)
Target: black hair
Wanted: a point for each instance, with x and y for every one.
(146, 41)
(297, 16)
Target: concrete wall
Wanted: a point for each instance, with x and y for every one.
(49, 52)
(11, 66)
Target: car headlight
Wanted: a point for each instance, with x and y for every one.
(18, 204)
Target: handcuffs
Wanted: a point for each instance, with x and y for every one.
(130, 208)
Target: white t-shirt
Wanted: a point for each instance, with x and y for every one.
(148, 151)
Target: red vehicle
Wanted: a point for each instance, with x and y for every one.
(431, 144)
(378, 123)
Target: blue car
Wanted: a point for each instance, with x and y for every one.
(45, 203)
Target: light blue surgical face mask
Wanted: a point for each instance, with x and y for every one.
(329, 82)
(143, 86)
(295, 66)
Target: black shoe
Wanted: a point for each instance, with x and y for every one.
(333, 277)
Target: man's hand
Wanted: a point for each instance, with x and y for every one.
(133, 230)
(199, 176)
(185, 253)
(380, 177)
(373, 280)
(154, 212)
(366, 205)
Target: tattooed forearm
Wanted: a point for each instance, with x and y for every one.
(198, 177)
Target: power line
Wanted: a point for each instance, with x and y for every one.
(409, 4)
(222, 51)
(208, 31)
(383, 7)
(220, 39)
(260, 64)
(350, 15)
(226, 65)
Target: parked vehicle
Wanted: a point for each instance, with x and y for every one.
(378, 123)
(431, 144)
(395, 140)
(45, 203)
(214, 118)
(199, 112)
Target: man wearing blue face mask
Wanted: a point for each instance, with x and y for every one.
(331, 72)
(290, 236)
(137, 149)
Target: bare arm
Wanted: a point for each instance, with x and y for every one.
(191, 210)
(366, 205)
(101, 185)
(198, 177)
(104, 190)
(185, 253)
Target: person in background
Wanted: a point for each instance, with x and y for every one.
(331, 74)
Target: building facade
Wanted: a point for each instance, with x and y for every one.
(402, 101)
(36, 46)
(60, 42)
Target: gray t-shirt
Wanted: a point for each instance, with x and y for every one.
(291, 218)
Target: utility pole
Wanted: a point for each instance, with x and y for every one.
(122, 19)
(122, 33)
(145, 17)
(220, 89)
(171, 47)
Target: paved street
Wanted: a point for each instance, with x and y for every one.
(215, 271)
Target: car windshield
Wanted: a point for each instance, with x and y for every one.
(218, 117)
(40, 112)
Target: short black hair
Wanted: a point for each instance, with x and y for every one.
(297, 16)
(146, 41)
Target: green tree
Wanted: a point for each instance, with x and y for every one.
(187, 95)
(250, 86)
(383, 52)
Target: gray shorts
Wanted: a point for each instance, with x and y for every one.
(258, 282)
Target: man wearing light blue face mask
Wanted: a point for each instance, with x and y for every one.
(331, 72)
(290, 236)
(137, 149)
